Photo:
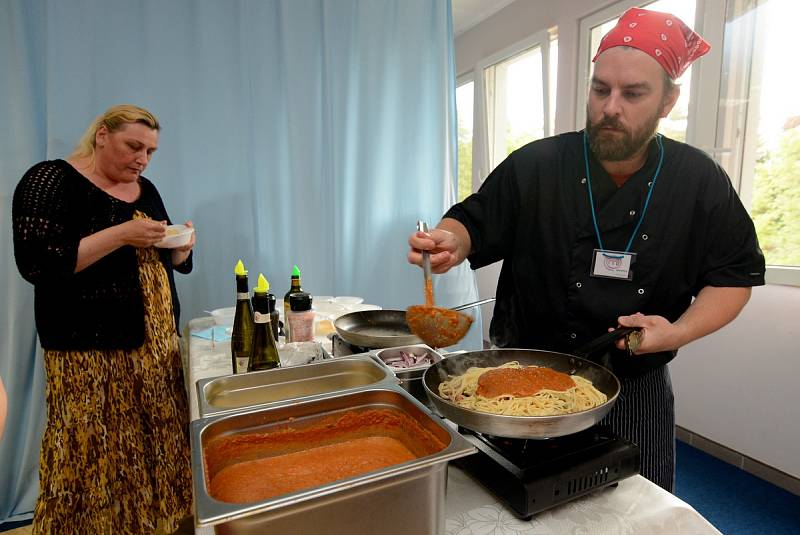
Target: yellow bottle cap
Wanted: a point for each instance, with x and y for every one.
(263, 284)
(239, 269)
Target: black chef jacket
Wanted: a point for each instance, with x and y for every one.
(533, 213)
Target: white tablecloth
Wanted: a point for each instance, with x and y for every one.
(635, 506)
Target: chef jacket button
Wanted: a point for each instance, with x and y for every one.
(573, 336)
(578, 284)
(645, 236)
(641, 291)
(583, 181)
(632, 212)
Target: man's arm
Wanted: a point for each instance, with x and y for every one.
(712, 309)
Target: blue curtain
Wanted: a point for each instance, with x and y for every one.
(309, 132)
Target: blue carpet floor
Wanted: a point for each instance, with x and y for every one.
(737, 503)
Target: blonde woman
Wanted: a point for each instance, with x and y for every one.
(115, 451)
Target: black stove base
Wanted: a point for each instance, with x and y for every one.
(531, 476)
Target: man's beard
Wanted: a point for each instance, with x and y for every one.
(616, 148)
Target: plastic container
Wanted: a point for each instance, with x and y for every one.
(223, 316)
(176, 236)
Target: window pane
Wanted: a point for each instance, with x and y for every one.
(464, 98)
(759, 127)
(674, 125)
(514, 103)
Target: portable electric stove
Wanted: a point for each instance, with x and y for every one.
(533, 475)
(341, 348)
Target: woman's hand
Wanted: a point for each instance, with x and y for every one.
(180, 254)
(136, 232)
(142, 232)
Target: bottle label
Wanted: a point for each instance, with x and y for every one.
(261, 318)
(241, 364)
(301, 326)
(242, 295)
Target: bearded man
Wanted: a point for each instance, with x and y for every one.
(612, 226)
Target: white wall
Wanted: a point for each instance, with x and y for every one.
(738, 386)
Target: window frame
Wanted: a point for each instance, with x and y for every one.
(480, 133)
(464, 79)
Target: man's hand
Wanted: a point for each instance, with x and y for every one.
(449, 244)
(442, 245)
(657, 333)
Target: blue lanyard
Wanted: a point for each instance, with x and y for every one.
(646, 201)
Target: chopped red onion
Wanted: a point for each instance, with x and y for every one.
(407, 360)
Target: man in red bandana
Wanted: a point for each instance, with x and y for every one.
(614, 225)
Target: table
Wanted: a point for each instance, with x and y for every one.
(635, 506)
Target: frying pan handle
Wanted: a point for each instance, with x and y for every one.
(602, 341)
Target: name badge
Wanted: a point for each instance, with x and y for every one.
(612, 264)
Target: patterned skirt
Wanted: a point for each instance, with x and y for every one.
(115, 452)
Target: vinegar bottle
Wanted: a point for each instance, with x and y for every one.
(293, 289)
(242, 335)
(264, 353)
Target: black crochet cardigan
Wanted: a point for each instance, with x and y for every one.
(101, 307)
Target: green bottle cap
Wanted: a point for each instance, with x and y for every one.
(296, 272)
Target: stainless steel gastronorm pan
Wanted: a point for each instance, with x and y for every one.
(410, 378)
(231, 393)
(400, 499)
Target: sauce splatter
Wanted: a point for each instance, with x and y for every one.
(522, 382)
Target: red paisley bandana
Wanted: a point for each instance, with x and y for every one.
(660, 35)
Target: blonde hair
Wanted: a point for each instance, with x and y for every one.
(113, 119)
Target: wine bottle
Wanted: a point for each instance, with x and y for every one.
(242, 335)
(264, 353)
(293, 289)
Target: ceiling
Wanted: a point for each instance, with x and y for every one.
(468, 13)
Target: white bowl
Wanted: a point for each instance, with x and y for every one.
(224, 316)
(329, 309)
(348, 300)
(177, 236)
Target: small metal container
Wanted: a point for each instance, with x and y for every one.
(410, 378)
(231, 393)
(400, 499)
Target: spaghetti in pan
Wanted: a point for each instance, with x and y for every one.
(512, 389)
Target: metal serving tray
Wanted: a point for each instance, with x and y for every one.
(400, 499)
(410, 378)
(231, 393)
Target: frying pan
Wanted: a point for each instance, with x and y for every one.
(535, 427)
(375, 329)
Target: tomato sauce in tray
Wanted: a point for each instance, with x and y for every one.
(247, 468)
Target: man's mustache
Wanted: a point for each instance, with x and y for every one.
(610, 122)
